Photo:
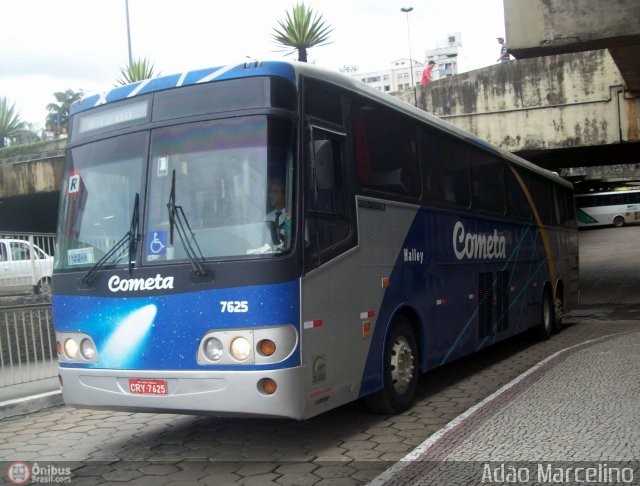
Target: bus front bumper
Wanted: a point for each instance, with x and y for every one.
(220, 393)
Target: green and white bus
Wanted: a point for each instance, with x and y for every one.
(615, 208)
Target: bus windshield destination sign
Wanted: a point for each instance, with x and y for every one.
(113, 116)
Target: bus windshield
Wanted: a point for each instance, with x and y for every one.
(229, 180)
(231, 184)
(101, 183)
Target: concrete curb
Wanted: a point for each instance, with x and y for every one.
(34, 403)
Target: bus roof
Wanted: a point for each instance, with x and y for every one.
(291, 71)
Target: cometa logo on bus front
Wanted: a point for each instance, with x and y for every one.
(117, 284)
(484, 246)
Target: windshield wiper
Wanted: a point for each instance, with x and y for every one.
(131, 237)
(178, 221)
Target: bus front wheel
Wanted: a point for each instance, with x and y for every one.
(400, 371)
(618, 221)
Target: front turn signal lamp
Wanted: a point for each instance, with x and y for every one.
(266, 347)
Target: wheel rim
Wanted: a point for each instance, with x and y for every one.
(402, 368)
(558, 309)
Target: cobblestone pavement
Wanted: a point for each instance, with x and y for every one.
(347, 446)
(576, 410)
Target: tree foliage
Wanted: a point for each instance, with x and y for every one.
(10, 123)
(137, 70)
(301, 30)
(58, 117)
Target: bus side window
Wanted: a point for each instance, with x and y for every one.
(566, 209)
(446, 171)
(517, 203)
(386, 151)
(486, 182)
(543, 198)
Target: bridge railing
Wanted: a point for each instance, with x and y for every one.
(27, 344)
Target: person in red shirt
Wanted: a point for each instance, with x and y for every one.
(427, 73)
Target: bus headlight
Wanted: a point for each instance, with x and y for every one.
(76, 347)
(240, 348)
(213, 349)
(255, 346)
(71, 348)
(87, 349)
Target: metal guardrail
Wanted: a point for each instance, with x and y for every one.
(27, 344)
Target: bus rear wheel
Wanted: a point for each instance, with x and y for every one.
(558, 312)
(400, 371)
(545, 327)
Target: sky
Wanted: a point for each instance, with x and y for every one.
(49, 46)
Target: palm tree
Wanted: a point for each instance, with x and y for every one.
(59, 112)
(302, 30)
(10, 123)
(137, 70)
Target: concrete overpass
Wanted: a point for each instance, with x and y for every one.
(536, 28)
(561, 111)
(30, 187)
(571, 100)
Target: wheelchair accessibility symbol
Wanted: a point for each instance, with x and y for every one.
(157, 243)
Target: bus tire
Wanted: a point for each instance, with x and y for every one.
(545, 326)
(400, 373)
(618, 221)
(558, 312)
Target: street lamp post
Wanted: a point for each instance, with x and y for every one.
(406, 10)
(126, 4)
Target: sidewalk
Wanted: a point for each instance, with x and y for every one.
(29, 397)
(577, 408)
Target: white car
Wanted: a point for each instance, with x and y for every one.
(22, 271)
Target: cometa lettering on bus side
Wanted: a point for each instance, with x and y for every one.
(117, 284)
(484, 246)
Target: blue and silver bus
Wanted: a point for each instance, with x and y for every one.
(275, 240)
